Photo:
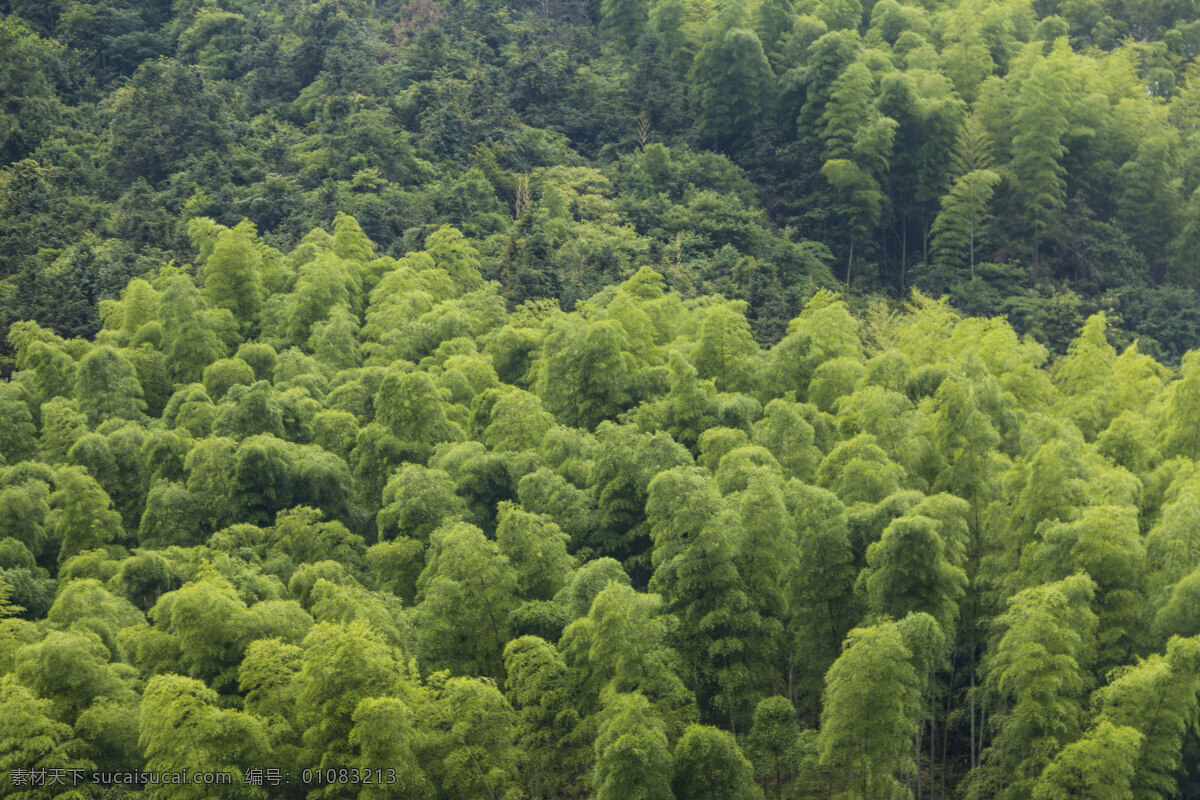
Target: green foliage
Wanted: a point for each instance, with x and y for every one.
(474, 741)
(696, 542)
(383, 732)
(211, 626)
(71, 670)
(624, 19)
(80, 515)
(602, 491)
(727, 354)
(633, 758)
(962, 219)
(190, 332)
(1100, 765)
(1039, 669)
(341, 666)
(869, 718)
(231, 272)
(29, 735)
(585, 373)
(17, 431)
(538, 686)
(908, 572)
(733, 84)
(408, 404)
(820, 585)
(107, 387)
(1156, 698)
(167, 112)
(621, 647)
(773, 744)
(464, 598)
(182, 729)
(536, 548)
(709, 764)
(1038, 149)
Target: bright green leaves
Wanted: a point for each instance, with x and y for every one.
(727, 353)
(697, 540)
(354, 529)
(409, 405)
(341, 666)
(1039, 669)
(183, 729)
(417, 501)
(539, 688)
(211, 626)
(820, 585)
(454, 254)
(516, 421)
(585, 372)
(231, 273)
(774, 744)
(536, 548)
(107, 387)
(624, 463)
(633, 758)
(1180, 614)
(1157, 698)
(908, 571)
(86, 605)
(1181, 436)
(71, 669)
(621, 647)
(1106, 544)
(858, 470)
(30, 738)
(383, 732)
(193, 336)
(81, 517)
(464, 598)
(709, 765)
(472, 752)
(1100, 765)
(334, 340)
(325, 284)
(870, 713)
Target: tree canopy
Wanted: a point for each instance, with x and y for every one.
(640, 399)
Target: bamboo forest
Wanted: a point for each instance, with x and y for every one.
(600, 399)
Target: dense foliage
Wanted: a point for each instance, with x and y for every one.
(1036, 158)
(325, 510)
(553, 400)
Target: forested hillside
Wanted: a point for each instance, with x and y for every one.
(346, 517)
(621, 401)
(1038, 159)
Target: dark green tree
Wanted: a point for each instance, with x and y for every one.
(732, 82)
(710, 765)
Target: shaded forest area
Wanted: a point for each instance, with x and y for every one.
(1035, 159)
